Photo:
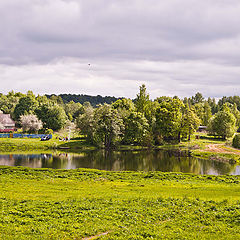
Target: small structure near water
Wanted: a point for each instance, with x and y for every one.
(202, 129)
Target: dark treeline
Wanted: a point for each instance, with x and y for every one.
(81, 98)
(108, 121)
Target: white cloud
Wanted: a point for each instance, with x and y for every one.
(122, 78)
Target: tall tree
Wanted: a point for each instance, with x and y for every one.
(190, 122)
(142, 99)
(136, 129)
(168, 119)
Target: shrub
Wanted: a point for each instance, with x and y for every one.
(236, 141)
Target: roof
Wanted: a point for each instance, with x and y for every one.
(6, 120)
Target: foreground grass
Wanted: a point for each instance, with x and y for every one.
(73, 204)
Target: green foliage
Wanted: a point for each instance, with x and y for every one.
(73, 110)
(236, 141)
(53, 116)
(222, 124)
(190, 122)
(108, 126)
(142, 99)
(103, 125)
(136, 129)
(198, 98)
(168, 118)
(25, 106)
(82, 98)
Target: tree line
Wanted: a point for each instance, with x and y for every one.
(140, 121)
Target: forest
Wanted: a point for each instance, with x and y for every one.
(109, 121)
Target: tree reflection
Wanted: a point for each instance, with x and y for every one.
(140, 160)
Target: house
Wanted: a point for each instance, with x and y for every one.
(6, 123)
(202, 129)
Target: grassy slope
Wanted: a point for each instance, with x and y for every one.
(72, 204)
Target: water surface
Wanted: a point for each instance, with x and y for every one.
(140, 160)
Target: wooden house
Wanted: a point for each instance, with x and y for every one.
(6, 123)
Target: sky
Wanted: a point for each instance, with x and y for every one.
(110, 48)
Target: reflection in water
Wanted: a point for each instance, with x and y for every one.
(141, 160)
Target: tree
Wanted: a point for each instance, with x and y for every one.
(198, 98)
(190, 122)
(203, 111)
(168, 119)
(124, 106)
(53, 116)
(109, 126)
(142, 99)
(73, 110)
(30, 123)
(26, 105)
(103, 125)
(136, 129)
(222, 124)
(86, 122)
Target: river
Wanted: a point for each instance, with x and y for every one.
(138, 160)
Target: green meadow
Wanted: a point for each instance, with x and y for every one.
(79, 204)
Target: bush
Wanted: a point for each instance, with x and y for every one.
(236, 141)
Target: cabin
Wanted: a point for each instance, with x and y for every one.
(202, 129)
(6, 123)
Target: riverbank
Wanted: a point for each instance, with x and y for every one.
(205, 147)
(77, 204)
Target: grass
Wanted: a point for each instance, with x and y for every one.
(73, 204)
(32, 144)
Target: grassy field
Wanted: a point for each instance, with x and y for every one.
(30, 144)
(77, 204)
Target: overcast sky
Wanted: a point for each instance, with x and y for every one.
(111, 47)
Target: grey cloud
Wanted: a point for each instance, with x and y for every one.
(175, 46)
(138, 30)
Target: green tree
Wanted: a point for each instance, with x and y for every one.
(168, 119)
(190, 122)
(53, 116)
(136, 129)
(103, 125)
(73, 109)
(26, 105)
(142, 99)
(86, 122)
(198, 98)
(124, 106)
(207, 113)
(222, 124)
(109, 126)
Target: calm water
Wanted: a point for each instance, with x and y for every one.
(157, 160)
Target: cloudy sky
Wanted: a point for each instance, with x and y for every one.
(109, 47)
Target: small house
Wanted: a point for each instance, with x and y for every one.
(202, 129)
(6, 123)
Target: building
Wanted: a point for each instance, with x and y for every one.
(6, 123)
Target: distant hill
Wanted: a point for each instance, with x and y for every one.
(81, 98)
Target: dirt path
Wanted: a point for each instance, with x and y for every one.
(218, 148)
(96, 236)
